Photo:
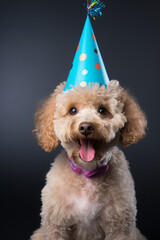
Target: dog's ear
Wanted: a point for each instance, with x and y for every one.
(135, 127)
(44, 122)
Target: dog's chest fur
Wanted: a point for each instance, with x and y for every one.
(84, 206)
(83, 202)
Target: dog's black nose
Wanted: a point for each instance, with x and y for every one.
(86, 128)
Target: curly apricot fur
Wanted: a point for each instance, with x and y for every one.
(74, 207)
(44, 122)
(135, 127)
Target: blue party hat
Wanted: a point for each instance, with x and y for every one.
(88, 67)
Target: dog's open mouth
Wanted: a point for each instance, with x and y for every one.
(87, 149)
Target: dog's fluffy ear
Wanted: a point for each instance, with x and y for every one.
(135, 127)
(44, 122)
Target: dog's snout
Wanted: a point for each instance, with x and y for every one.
(86, 128)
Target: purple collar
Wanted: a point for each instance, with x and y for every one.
(97, 172)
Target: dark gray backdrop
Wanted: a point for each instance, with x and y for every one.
(38, 40)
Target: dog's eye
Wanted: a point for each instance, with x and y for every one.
(73, 111)
(102, 110)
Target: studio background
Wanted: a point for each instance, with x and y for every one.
(38, 41)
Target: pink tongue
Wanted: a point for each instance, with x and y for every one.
(87, 150)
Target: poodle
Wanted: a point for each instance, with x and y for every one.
(89, 192)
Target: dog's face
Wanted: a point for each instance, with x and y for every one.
(89, 121)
